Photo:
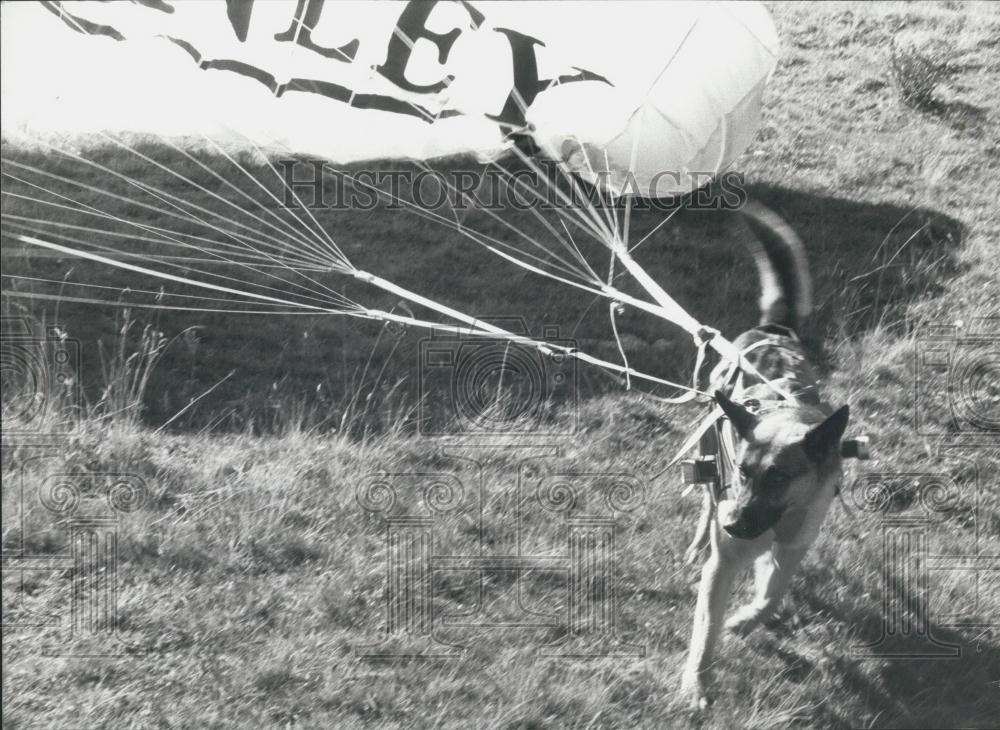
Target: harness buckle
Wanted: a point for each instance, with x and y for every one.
(701, 470)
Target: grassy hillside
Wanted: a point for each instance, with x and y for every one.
(251, 575)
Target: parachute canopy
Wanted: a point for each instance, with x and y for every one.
(639, 98)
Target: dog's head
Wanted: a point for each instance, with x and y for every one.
(782, 462)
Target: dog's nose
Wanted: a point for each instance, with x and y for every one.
(736, 529)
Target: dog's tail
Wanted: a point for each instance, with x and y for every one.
(786, 289)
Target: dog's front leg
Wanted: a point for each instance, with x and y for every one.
(713, 594)
(704, 525)
(773, 572)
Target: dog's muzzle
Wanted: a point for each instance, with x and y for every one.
(749, 522)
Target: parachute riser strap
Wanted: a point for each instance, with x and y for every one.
(676, 314)
(423, 301)
(716, 415)
(480, 328)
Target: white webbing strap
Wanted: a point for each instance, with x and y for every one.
(716, 413)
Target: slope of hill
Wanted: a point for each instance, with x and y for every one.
(258, 566)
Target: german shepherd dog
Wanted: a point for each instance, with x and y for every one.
(786, 456)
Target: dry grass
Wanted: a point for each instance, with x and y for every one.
(251, 572)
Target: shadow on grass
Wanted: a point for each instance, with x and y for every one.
(934, 678)
(869, 261)
(959, 115)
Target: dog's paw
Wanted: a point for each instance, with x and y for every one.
(693, 692)
(745, 620)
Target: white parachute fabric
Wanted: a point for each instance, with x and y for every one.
(641, 98)
(647, 99)
(684, 98)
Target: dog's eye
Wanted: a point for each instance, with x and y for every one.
(744, 473)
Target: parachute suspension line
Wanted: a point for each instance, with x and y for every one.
(476, 236)
(672, 311)
(598, 231)
(543, 347)
(588, 218)
(633, 158)
(626, 229)
(222, 251)
(291, 234)
(183, 264)
(160, 195)
(166, 239)
(489, 331)
(201, 208)
(141, 305)
(572, 249)
(585, 273)
(609, 215)
(590, 273)
(665, 312)
(657, 228)
(475, 326)
(564, 265)
(131, 236)
(162, 237)
(220, 246)
(203, 189)
(322, 234)
(169, 277)
(604, 290)
(613, 315)
(682, 319)
(184, 215)
(159, 294)
(423, 301)
(577, 211)
(429, 215)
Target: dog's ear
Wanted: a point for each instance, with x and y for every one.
(824, 438)
(742, 419)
